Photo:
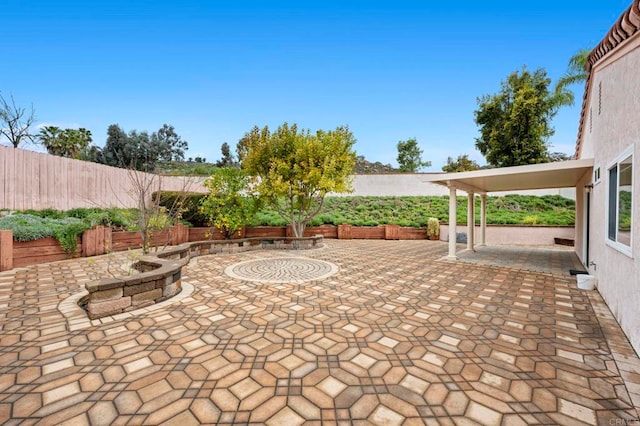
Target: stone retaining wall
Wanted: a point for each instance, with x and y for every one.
(160, 274)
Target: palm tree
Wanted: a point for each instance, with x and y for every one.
(576, 71)
(51, 138)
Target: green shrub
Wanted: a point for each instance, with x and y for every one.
(433, 227)
(185, 168)
(50, 213)
(189, 205)
(28, 227)
(96, 217)
(82, 213)
(67, 235)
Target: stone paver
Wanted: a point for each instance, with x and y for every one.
(396, 336)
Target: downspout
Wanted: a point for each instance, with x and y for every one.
(588, 222)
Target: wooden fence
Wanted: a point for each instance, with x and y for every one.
(33, 180)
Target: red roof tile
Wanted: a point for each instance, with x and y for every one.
(627, 25)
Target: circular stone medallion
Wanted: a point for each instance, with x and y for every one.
(282, 270)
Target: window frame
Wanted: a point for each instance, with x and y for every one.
(622, 248)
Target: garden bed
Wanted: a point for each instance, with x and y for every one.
(43, 250)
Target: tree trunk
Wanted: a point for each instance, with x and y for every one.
(298, 229)
(145, 240)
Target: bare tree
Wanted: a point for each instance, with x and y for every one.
(155, 212)
(15, 122)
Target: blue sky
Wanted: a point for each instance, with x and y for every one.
(390, 70)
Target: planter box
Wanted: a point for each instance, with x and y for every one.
(327, 231)
(6, 250)
(266, 232)
(414, 234)
(40, 251)
(368, 232)
(389, 232)
(125, 240)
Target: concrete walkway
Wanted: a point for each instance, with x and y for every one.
(391, 334)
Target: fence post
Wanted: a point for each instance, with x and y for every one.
(105, 240)
(173, 235)
(6, 250)
(96, 241)
(178, 234)
(89, 242)
(344, 232)
(391, 232)
(182, 234)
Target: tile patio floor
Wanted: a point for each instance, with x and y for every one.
(397, 336)
(557, 260)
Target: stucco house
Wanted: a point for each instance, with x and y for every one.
(605, 175)
(608, 199)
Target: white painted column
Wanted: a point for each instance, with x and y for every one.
(452, 223)
(471, 219)
(483, 220)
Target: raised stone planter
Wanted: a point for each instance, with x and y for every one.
(160, 274)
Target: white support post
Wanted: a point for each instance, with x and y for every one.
(471, 219)
(483, 219)
(452, 223)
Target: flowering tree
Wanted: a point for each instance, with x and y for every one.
(296, 169)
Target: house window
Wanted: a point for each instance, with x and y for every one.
(620, 214)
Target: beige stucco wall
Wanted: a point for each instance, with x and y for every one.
(414, 184)
(611, 126)
(516, 235)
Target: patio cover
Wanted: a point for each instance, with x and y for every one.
(564, 174)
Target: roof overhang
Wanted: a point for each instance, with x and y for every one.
(564, 174)
(626, 27)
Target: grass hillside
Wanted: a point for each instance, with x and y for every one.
(415, 211)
